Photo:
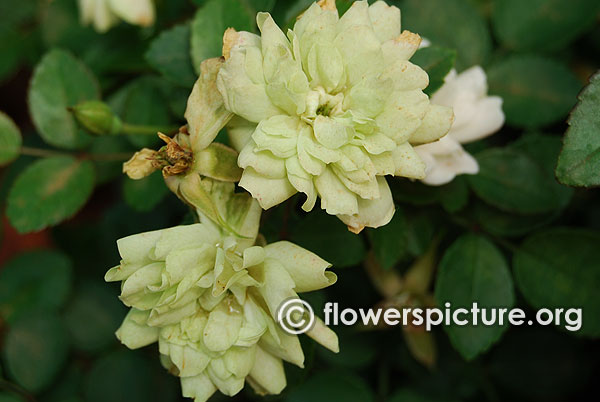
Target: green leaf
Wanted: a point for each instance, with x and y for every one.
(454, 196)
(60, 81)
(540, 365)
(328, 237)
(60, 26)
(145, 194)
(38, 280)
(579, 161)
(358, 349)
(92, 316)
(17, 13)
(169, 53)
(67, 387)
(541, 148)
(409, 395)
(421, 230)
(413, 192)
(542, 25)
(120, 50)
(17, 39)
(474, 270)
(6, 397)
(122, 376)
(505, 224)
(438, 62)
(544, 150)
(389, 241)
(210, 23)
(455, 24)
(285, 13)
(512, 181)
(177, 97)
(35, 350)
(332, 386)
(10, 139)
(11, 172)
(48, 192)
(11, 50)
(259, 5)
(536, 91)
(560, 268)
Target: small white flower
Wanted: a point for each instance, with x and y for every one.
(476, 116)
(103, 14)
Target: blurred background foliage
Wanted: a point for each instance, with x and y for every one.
(509, 236)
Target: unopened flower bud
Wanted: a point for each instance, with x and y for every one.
(97, 118)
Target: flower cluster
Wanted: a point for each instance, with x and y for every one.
(329, 108)
(210, 298)
(104, 14)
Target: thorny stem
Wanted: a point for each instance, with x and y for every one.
(45, 153)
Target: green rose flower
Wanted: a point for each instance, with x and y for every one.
(209, 295)
(328, 109)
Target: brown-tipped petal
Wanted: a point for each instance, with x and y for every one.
(230, 38)
(328, 5)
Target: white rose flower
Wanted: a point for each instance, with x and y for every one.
(104, 14)
(476, 116)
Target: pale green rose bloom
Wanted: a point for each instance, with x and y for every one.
(104, 14)
(209, 297)
(223, 348)
(328, 109)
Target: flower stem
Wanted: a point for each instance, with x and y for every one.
(47, 153)
(122, 156)
(146, 130)
(29, 151)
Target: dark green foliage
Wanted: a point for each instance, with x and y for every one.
(514, 235)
